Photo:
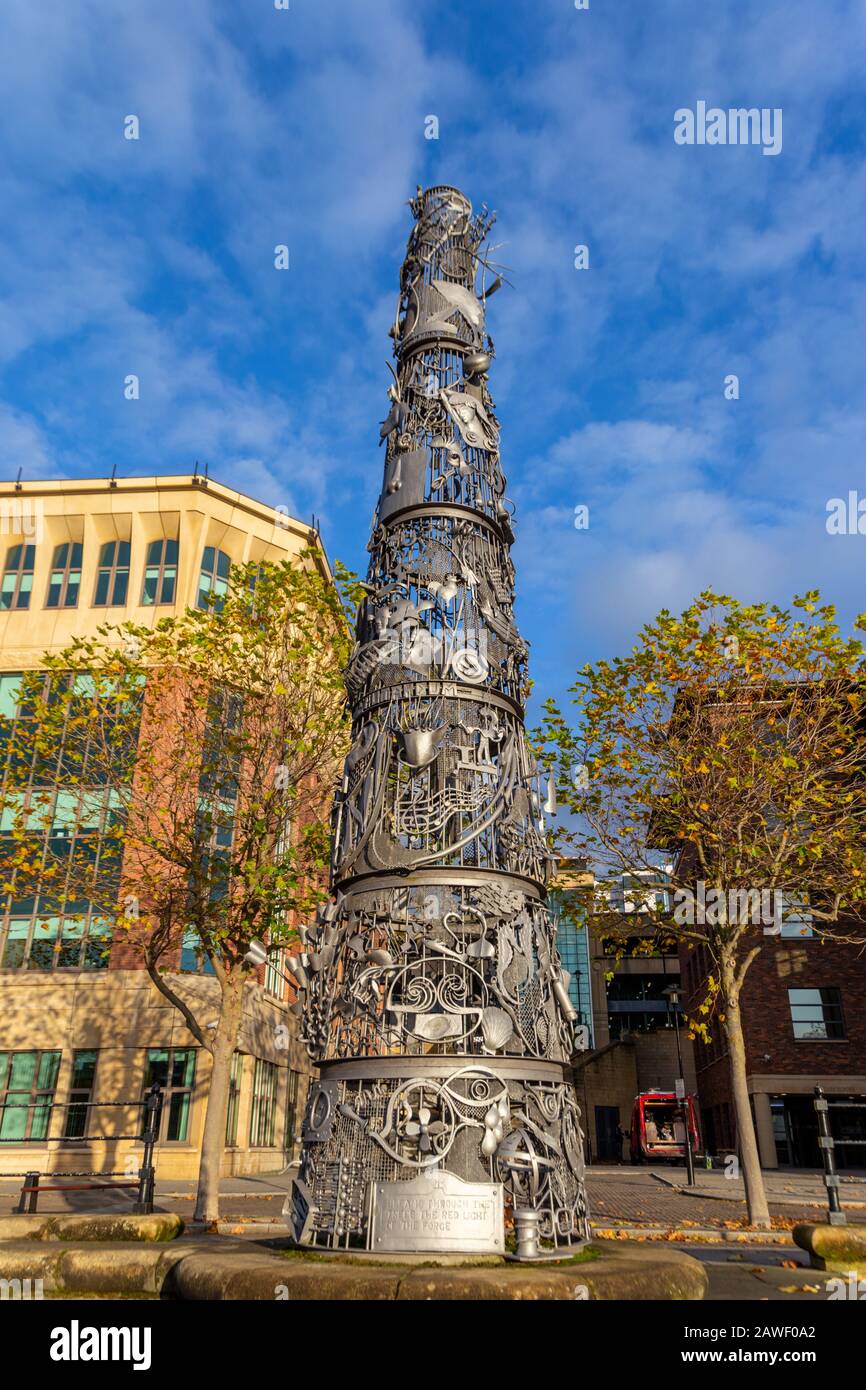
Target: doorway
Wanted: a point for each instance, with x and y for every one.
(607, 1144)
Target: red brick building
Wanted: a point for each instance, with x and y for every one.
(804, 1018)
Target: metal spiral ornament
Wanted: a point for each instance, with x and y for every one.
(430, 991)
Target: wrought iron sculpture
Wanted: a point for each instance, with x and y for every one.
(430, 990)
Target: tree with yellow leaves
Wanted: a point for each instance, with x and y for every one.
(729, 745)
(177, 780)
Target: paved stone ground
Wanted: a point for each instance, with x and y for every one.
(640, 1197)
(260, 1197)
(625, 1197)
(648, 1197)
(763, 1275)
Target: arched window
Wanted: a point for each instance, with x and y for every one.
(18, 576)
(160, 573)
(214, 577)
(112, 580)
(65, 578)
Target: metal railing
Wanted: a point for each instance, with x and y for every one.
(148, 1136)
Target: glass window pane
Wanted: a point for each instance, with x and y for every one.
(42, 944)
(184, 1067)
(171, 552)
(83, 1069)
(48, 1069)
(69, 955)
(189, 952)
(40, 1116)
(65, 812)
(121, 586)
(97, 947)
(157, 1067)
(168, 587)
(809, 1030)
(9, 687)
(223, 565)
(96, 952)
(102, 581)
(123, 548)
(75, 1124)
(13, 1117)
(16, 943)
(23, 1071)
(178, 1116)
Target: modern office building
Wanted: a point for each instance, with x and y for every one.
(80, 1020)
(619, 976)
(573, 944)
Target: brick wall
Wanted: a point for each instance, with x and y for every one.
(771, 1048)
(607, 1077)
(657, 1065)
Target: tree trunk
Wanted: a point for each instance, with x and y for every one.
(753, 1178)
(207, 1202)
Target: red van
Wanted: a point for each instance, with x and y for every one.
(658, 1127)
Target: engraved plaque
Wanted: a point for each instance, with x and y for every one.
(438, 1212)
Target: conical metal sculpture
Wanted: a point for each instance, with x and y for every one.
(431, 992)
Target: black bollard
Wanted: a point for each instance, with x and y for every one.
(826, 1144)
(144, 1205)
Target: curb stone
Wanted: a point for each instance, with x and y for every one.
(193, 1270)
(709, 1234)
(158, 1228)
(838, 1249)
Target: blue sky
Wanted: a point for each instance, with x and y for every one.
(307, 127)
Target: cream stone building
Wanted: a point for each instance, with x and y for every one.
(79, 1023)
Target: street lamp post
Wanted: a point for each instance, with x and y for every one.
(673, 996)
